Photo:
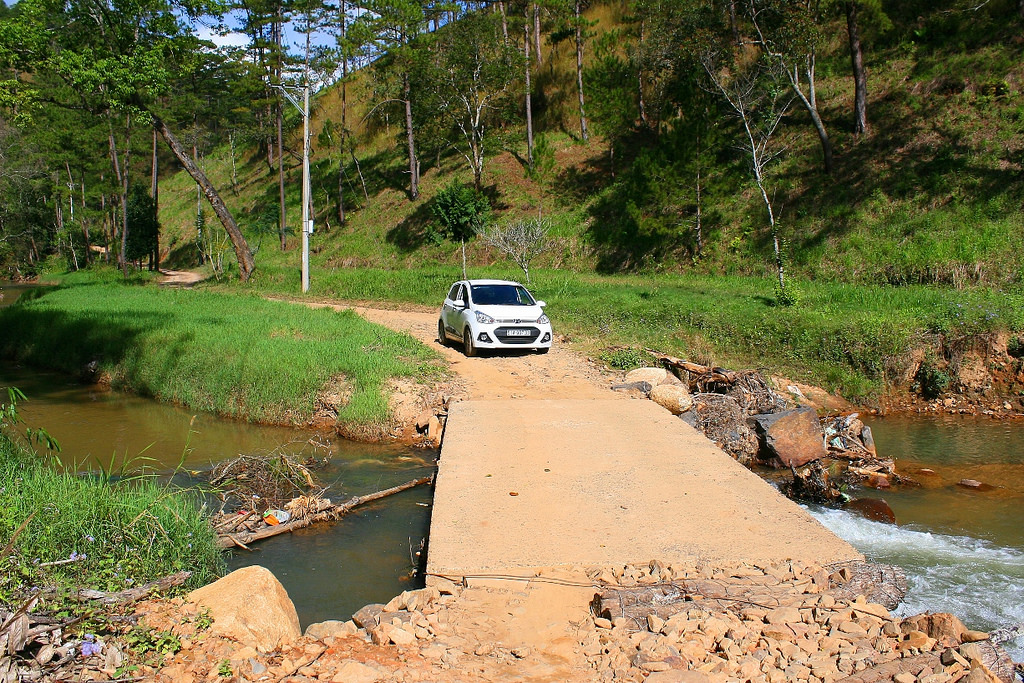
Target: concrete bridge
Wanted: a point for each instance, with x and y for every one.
(525, 485)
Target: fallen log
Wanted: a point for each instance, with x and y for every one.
(245, 538)
(128, 595)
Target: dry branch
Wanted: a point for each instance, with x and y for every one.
(332, 512)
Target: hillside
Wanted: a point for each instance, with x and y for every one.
(931, 195)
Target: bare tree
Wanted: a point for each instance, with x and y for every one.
(756, 96)
(521, 241)
(792, 45)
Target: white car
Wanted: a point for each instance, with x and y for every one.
(493, 314)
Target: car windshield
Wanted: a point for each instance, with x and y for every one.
(501, 295)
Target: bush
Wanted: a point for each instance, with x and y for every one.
(461, 210)
(628, 358)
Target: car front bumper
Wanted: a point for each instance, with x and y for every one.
(503, 336)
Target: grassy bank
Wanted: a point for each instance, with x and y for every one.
(89, 531)
(846, 337)
(232, 353)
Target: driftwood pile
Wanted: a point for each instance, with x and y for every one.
(737, 408)
(247, 526)
(41, 645)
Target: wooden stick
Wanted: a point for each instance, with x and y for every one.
(128, 595)
(334, 512)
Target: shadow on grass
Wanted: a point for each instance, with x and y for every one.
(57, 340)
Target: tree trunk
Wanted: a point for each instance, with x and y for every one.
(154, 191)
(246, 264)
(811, 105)
(860, 77)
(640, 80)
(119, 176)
(536, 33)
(504, 22)
(343, 17)
(584, 133)
(283, 218)
(414, 166)
(732, 22)
(697, 226)
(529, 97)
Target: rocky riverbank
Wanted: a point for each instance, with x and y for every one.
(660, 623)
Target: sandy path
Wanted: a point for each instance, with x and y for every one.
(179, 278)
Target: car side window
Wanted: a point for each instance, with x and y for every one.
(453, 293)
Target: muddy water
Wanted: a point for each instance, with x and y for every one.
(963, 549)
(329, 572)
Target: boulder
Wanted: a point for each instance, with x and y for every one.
(794, 437)
(653, 376)
(874, 509)
(673, 397)
(251, 606)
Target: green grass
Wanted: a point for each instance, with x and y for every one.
(846, 337)
(118, 534)
(232, 353)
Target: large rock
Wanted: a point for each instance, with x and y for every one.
(251, 606)
(673, 397)
(653, 376)
(794, 437)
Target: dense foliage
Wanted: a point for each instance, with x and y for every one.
(894, 157)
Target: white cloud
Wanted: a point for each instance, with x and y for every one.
(230, 39)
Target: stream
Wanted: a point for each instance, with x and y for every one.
(962, 549)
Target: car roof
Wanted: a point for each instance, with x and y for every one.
(492, 282)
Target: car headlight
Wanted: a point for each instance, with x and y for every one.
(543, 319)
(483, 318)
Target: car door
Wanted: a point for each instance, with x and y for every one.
(450, 312)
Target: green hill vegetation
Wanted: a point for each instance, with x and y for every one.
(659, 232)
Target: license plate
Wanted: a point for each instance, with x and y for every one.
(517, 333)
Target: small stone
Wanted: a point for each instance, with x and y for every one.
(950, 657)
(399, 636)
(601, 622)
(905, 677)
(330, 629)
(655, 666)
(423, 419)
(783, 615)
(369, 616)
(655, 623)
(521, 652)
(356, 672)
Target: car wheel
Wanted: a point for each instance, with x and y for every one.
(442, 338)
(467, 343)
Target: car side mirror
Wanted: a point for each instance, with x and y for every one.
(459, 303)
(542, 304)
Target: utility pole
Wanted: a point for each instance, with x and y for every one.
(307, 221)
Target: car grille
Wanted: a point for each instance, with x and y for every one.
(514, 321)
(505, 335)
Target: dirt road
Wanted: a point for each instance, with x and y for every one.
(560, 373)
